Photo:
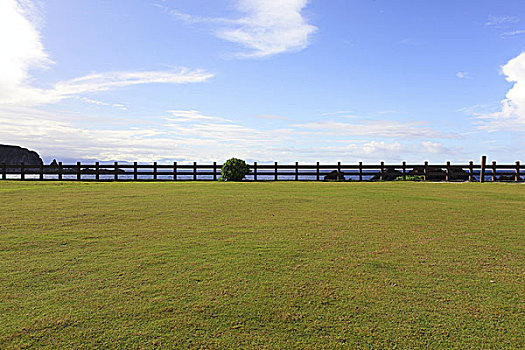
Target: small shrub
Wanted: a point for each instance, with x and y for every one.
(234, 169)
(411, 178)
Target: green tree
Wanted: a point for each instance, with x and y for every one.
(234, 169)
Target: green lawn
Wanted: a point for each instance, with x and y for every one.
(285, 265)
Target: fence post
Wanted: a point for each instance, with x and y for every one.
(60, 170)
(135, 171)
(78, 171)
(360, 171)
(116, 171)
(404, 171)
(381, 175)
(22, 171)
(174, 171)
(425, 171)
(317, 172)
(447, 174)
(194, 171)
(97, 171)
(516, 176)
(214, 171)
(41, 171)
(254, 171)
(276, 171)
(482, 172)
(470, 171)
(296, 171)
(154, 170)
(494, 171)
(4, 171)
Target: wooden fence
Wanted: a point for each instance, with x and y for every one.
(263, 172)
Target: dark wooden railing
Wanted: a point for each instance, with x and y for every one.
(263, 172)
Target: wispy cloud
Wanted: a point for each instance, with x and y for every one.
(180, 116)
(479, 109)
(463, 75)
(25, 94)
(270, 117)
(391, 111)
(434, 147)
(23, 51)
(189, 135)
(495, 21)
(104, 104)
(336, 113)
(372, 128)
(266, 28)
(513, 33)
(193, 124)
(352, 115)
(506, 25)
(194, 19)
(106, 81)
(181, 135)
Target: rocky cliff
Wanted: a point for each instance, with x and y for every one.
(12, 155)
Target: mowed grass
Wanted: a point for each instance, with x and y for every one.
(262, 265)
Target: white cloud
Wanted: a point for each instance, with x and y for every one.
(22, 51)
(512, 114)
(197, 138)
(372, 128)
(194, 125)
(336, 113)
(382, 147)
(21, 47)
(495, 21)
(30, 96)
(513, 33)
(391, 111)
(463, 75)
(268, 27)
(104, 104)
(186, 136)
(506, 25)
(178, 116)
(119, 106)
(106, 81)
(434, 147)
(270, 117)
(192, 19)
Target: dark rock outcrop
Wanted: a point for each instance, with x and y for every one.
(334, 176)
(509, 177)
(438, 174)
(15, 155)
(458, 174)
(388, 175)
(433, 174)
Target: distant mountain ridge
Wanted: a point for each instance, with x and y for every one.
(14, 155)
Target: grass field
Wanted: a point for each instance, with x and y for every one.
(262, 265)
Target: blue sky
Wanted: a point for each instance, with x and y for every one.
(264, 80)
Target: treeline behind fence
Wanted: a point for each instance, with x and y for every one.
(264, 172)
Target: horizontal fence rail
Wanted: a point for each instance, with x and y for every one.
(265, 172)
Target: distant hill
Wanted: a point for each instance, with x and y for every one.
(12, 155)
